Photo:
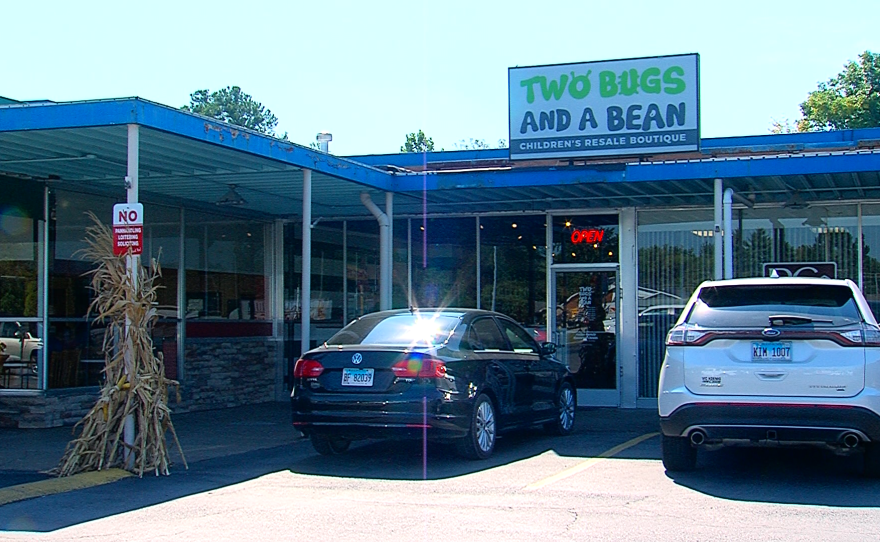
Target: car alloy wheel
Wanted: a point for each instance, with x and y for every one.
(566, 408)
(480, 440)
(484, 425)
(566, 404)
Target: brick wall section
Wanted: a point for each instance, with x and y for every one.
(219, 373)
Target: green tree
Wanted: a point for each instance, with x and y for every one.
(417, 142)
(849, 101)
(232, 105)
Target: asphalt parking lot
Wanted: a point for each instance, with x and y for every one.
(252, 478)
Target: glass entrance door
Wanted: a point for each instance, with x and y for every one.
(585, 327)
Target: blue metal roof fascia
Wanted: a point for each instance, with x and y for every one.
(818, 164)
(793, 141)
(167, 119)
(417, 159)
(507, 178)
(45, 116)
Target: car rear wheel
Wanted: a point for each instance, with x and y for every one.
(872, 460)
(480, 440)
(326, 445)
(566, 405)
(678, 454)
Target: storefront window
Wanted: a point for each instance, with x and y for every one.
(225, 276)
(513, 262)
(871, 256)
(362, 271)
(75, 340)
(444, 262)
(675, 256)
(585, 239)
(817, 234)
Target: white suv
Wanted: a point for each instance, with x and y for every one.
(769, 362)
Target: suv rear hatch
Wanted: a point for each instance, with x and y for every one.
(784, 340)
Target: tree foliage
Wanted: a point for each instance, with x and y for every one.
(848, 101)
(232, 105)
(417, 142)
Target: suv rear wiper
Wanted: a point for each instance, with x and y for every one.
(794, 320)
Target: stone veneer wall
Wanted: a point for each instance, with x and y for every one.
(218, 373)
(51, 408)
(227, 372)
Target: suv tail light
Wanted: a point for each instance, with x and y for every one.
(419, 367)
(307, 368)
(684, 335)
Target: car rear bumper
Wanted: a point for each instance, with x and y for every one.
(382, 417)
(782, 423)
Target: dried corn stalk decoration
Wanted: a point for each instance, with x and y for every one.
(141, 390)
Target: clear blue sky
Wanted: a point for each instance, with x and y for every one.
(370, 72)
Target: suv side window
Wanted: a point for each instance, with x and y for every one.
(483, 334)
(519, 338)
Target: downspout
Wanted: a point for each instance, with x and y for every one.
(384, 253)
(728, 233)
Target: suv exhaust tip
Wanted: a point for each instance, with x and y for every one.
(698, 437)
(850, 440)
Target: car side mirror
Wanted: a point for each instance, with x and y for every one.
(548, 349)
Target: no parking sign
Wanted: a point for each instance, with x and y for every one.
(128, 228)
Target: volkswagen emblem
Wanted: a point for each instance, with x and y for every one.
(770, 332)
(357, 359)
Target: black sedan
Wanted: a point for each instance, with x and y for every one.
(457, 375)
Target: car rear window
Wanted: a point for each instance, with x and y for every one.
(753, 305)
(397, 330)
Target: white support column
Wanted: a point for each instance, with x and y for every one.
(479, 266)
(717, 233)
(306, 299)
(345, 272)
(132, 262)
(275, 303)
(181, 297)
(628, 309)
(728, 233)
(389, 248)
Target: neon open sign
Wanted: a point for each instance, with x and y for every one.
(587, 236)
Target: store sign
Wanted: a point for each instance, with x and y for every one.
(128, 228)
(587, 236)
(619, 107)
(827, 270)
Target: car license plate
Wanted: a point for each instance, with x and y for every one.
(777, 351)
(357, 377)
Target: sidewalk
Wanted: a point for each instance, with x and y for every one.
(26, 453)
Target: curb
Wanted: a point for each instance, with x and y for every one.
(61, 485)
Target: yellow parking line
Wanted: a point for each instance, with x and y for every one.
(60, 485)
(589, 462)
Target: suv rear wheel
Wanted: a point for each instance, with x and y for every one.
(678, 454)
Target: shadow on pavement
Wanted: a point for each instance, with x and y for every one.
(782, 476)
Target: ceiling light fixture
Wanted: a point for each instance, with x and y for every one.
(231, 197)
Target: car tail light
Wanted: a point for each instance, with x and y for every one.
(307, 368)
(684, 335)
(419, 367)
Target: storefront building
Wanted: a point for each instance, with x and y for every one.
(267, 247)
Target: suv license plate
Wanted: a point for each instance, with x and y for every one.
(778, 351)
(357, 377)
